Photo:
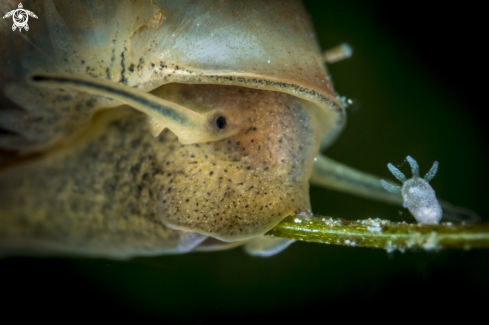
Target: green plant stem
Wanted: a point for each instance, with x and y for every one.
(384, 234)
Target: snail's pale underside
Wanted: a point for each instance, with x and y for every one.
(218, 153)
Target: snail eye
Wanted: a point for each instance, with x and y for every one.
(221, 122)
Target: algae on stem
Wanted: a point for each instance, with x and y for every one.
(377, 233)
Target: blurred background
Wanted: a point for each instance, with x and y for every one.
(417, 82)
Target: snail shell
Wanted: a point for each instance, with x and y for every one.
(103, 185)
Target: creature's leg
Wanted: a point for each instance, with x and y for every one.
(397, 173)
(414, 166)
(336, 176)
(389, 187)
(429, 175)
(26, 27)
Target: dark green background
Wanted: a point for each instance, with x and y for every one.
(415, 81)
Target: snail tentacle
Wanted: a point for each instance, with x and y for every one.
(189, 126)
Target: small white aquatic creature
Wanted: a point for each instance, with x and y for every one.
(417, 193)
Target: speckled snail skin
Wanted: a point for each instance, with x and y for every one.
(97, 182)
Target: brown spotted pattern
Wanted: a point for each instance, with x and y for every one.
(117, 191)
(242, 186)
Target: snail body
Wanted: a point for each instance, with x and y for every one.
(102, 184)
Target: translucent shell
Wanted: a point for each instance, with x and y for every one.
(145, 44)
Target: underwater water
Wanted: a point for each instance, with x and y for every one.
(416, 93)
